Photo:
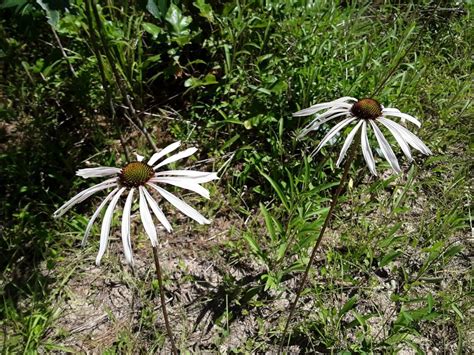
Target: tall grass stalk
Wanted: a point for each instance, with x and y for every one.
(335, 197)
(105, 83)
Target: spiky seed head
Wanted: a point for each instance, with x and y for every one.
(368, 109)
(135, 174)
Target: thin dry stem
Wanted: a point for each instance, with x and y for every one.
(163, 301)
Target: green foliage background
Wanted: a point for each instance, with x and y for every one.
(79, 76)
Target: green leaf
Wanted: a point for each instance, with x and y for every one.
(457, 311)
(253, 244)
(348, 306)
(192, 82)
(52, 15)
(179, 23)
(152, 29)
(205, 10)
(268, 222)
(157, 8)
(453, 251)
(281, 251)
(277, 189)
(389, 258)
(13, 3)
(360, 319)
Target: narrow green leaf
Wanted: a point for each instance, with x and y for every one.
(277, 189)
(268, 222)
(389, 258)
(348, 306)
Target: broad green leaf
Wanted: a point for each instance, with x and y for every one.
(453, 251)
(179, 23)
(205, 10)
(209, 79)
(152, 29)
(281, 250)
(52, 15)
(157, 8)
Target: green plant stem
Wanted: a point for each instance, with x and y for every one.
(302, 283)
(118, 80)
(105, 83)
(162, 299)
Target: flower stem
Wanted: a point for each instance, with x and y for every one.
(163, 302)
(335, 198)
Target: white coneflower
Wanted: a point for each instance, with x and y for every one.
(361, 113)
(142, 178)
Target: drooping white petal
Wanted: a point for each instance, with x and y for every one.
(339, 103)
(317, 108)
(409, 137)
(157, 211)
(346, 99)
(398, 137)
(146, 218)
(83, 195)
(139, 157)
(333, 132)
(181, 155)
(385, 147)
(100, 171)
(395, 112)
(198, 176)
(316, 123)
(168, 149)
(126, 240)
(104, 232)
(348, 142)
(181, 205)
(94, 216)
(366, 151)
(185, 183)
